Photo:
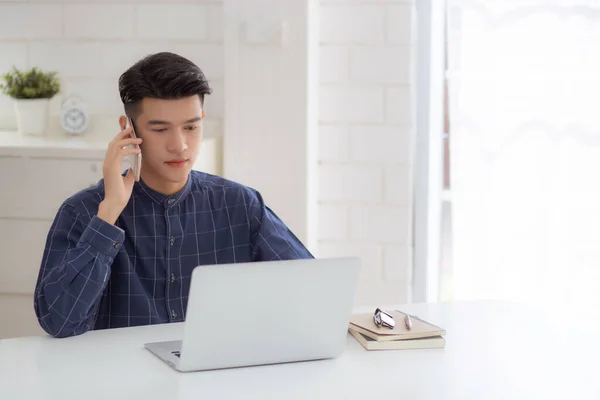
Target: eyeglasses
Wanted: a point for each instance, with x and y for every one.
(381, 318)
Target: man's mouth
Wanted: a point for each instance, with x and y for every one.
(176, 163)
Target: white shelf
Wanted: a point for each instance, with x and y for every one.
(91, 145)
(14, 144)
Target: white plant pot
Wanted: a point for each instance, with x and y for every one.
(32, 116)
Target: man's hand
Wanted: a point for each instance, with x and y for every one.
(117, 188)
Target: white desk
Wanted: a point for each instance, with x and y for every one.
(493, 351)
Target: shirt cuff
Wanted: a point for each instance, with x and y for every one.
(104, 237)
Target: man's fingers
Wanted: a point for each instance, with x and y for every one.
(113, 162)
(120, 154)
(123, 134)
(127, 142)
(129, 150)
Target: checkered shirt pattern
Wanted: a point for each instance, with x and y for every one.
(95, 275)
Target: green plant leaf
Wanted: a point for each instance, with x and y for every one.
(30, 84)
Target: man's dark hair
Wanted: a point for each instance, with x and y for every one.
(162, 76)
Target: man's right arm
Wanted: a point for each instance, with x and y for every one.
(81, 248)
(74, 272)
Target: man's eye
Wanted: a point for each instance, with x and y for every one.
(191, 128)
(159, 130)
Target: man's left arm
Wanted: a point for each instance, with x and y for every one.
(272, 239)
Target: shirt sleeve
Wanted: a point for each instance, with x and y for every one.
(272, 239)
(74, 272)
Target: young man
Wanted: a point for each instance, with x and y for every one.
(121, 253)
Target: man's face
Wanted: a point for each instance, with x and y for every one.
(171, 131)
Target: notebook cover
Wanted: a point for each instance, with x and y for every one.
(435, 342)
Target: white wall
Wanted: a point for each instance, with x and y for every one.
(271, 140)
(366, 136)
(90, 43)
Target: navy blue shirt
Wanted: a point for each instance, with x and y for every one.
(95, 275)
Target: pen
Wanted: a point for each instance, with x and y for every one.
(407, 321)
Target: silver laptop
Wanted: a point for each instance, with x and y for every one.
(264, 313)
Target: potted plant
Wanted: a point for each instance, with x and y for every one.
(31, 91)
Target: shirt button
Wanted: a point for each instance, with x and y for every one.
(172, 240)
(171, 201)
(117, 245)
(173, 314)
(173, 278)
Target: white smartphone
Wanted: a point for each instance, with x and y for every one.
(135, 160)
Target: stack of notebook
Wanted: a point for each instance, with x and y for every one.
(421, 335)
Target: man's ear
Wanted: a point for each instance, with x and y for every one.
(203, 114)
(123, 122)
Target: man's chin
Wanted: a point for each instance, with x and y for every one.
(179, 175)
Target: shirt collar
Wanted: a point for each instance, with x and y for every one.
(163, 199)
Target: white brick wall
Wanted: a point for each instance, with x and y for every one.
(397, 105)
(366, 135)
(375, 64)
(351, 102)
(350, 183)
(164, 21)
(91, 42)
(345, 24)
(380, 144)
(98, 21)
(31, 21)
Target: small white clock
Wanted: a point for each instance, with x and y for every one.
(74, 116)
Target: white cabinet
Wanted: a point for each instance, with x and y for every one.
(19, 316)
(38, 185)
(22, 243)
(33, 189)
(36, 176)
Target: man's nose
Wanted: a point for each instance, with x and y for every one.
(177, 142)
